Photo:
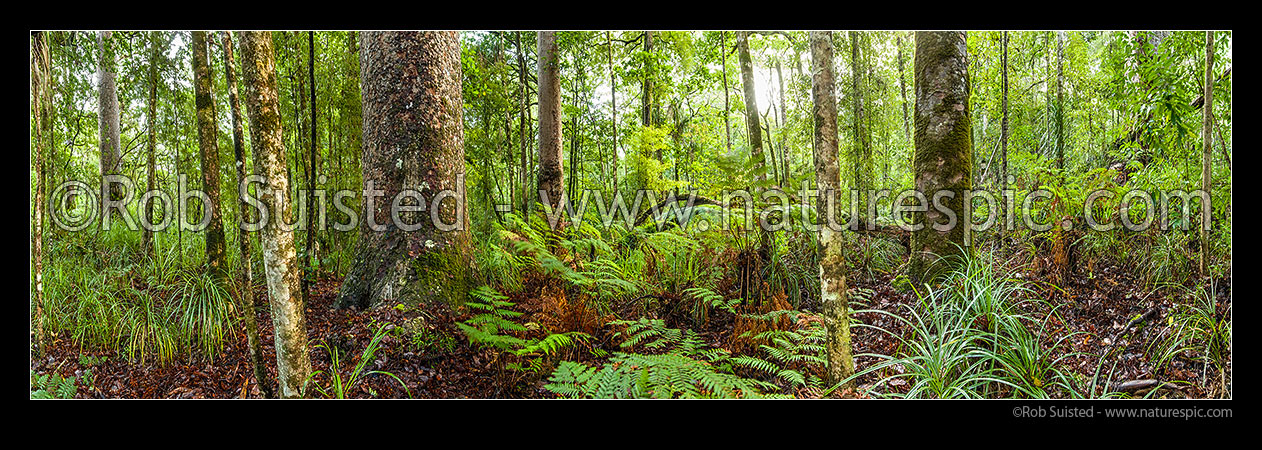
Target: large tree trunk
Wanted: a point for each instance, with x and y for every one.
(108, 118)
(245, 276)
(943, 161)
(280, 260)
(832, 268)
(1207, 143)
(551, 174)
(208, 142)
(413, 136)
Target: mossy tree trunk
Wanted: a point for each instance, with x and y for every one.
(280, 259)
(208, 143)
(943, 159)
(832, 275)
(413, 141)
(245, 277)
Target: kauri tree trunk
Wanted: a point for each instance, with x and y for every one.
(413, 139)
(551, 174)
(943, 161)
(108, 117)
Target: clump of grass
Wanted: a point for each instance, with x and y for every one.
(1198, 330)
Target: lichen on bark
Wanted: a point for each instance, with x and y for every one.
(413, 140)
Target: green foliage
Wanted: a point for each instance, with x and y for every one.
(54, 386)
(1197, 329)
(969, 339)
(490, 328)
(682, 367)
(338, 385)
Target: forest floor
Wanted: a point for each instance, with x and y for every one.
(1102, 307)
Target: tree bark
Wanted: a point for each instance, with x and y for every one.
(832, 269)
(1060, 104)
(245, 277)
(1207, 166)
(613, 93)
(40, 99)
(1003, 136)
(312, 156)
(208, 142)
(727, 92)
(902, 84)
(943, 160)
(413, 136)
(280, 261)
(151, 123)
(862, 154)
(108, 118)
(551, 174)
(752, 125)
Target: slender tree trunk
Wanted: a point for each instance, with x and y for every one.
(752, 125)
(40, 81)
(280, 261)
(1207, 143)
(613, 93)
(902, 84)
(208, 141)
(943, 161)
(784, 119)
(309, 266)
(413, 136)
(754, 129)
(245, 277)
(151, 125)
(1003, 136)
(862, 154)
(523, 123)
(108, 118)
(646, 85)
(727, 93)
(832, 268)
(1060, 105)
(551, 174)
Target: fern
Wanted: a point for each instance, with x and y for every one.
(687, 368)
